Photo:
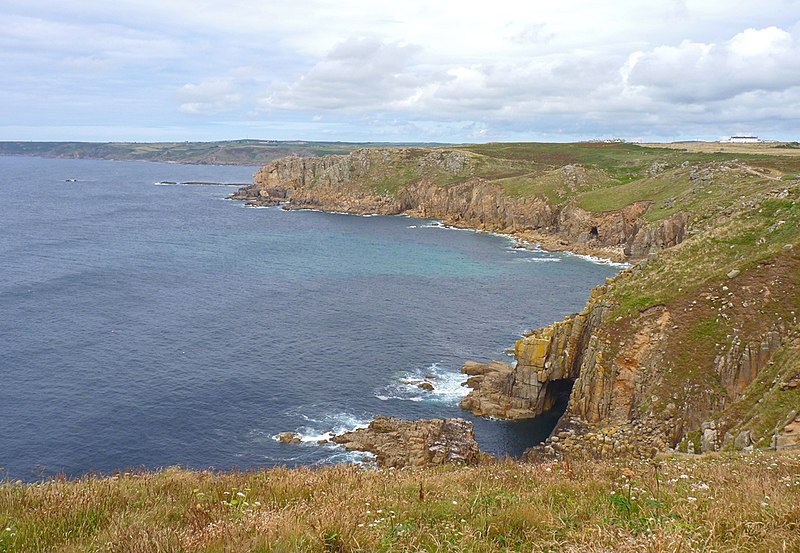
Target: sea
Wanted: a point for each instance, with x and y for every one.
(147, 323)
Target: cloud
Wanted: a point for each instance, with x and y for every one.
(439, 70)
(358, 74)
(753, 60)
(209, 98)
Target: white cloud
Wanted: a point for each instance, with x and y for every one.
(445, 70)
(754, 59)
(208, 98)
(358, 74)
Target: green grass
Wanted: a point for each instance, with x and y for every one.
(675, 503)
(741, 243)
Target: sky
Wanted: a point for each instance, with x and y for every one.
(415, 70)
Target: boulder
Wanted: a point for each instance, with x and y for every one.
(790, 435)
(289, 438)
(708, 440)
(401, 443)
(743, 439)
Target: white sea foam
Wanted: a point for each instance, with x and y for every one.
(599, 260)
(447, 386)
(338, 455)
(326, 427)
(540, 260)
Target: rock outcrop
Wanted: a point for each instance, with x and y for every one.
(789, 436)
(739, 365)
(548, 362)
(398, 443)
(288, 438)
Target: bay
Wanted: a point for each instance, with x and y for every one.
(145, 325)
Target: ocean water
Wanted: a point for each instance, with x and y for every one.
(145, 325)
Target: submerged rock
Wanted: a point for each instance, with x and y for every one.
(400, 443)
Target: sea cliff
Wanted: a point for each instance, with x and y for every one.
(459, 187)
(695, 347)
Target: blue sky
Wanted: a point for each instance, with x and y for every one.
(357, 70)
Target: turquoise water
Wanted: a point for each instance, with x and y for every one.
(146, 325)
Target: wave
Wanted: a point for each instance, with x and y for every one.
(338, 455)
(326, 427)
(540, 260)
(600, 260)
(444, 386)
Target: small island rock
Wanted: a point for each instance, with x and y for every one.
(289, 438)
(399, 443)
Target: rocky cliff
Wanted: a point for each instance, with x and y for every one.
(712, 364)
(455, 186)
(695, 347)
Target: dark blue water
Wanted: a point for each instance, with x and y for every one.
(147, 326)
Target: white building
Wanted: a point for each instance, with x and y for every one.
(744, 139)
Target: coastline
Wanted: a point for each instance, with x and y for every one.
(545, 242)
(527, 240)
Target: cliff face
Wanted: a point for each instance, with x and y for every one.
(479, 204)
(696, 347)
(443, 184)
(697, 373)
(548, 362)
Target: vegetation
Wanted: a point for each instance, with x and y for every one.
(736, 276)
(719, 503)
(234, 152)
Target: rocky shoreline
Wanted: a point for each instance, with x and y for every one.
(612, 362)
(339, 183)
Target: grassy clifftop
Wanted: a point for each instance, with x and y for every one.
(717, 503)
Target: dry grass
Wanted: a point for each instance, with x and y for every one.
(728, 148)
(719, 503)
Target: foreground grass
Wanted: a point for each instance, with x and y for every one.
(720, 503)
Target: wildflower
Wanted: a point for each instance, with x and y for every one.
(691, 499)
(455, 502)
(240, 494)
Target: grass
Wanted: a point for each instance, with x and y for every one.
(599, 177)
(721, 503)
(740, 243)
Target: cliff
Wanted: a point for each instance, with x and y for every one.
(695, 347)
(471, 190)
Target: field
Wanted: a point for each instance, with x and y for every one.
(679, 503)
